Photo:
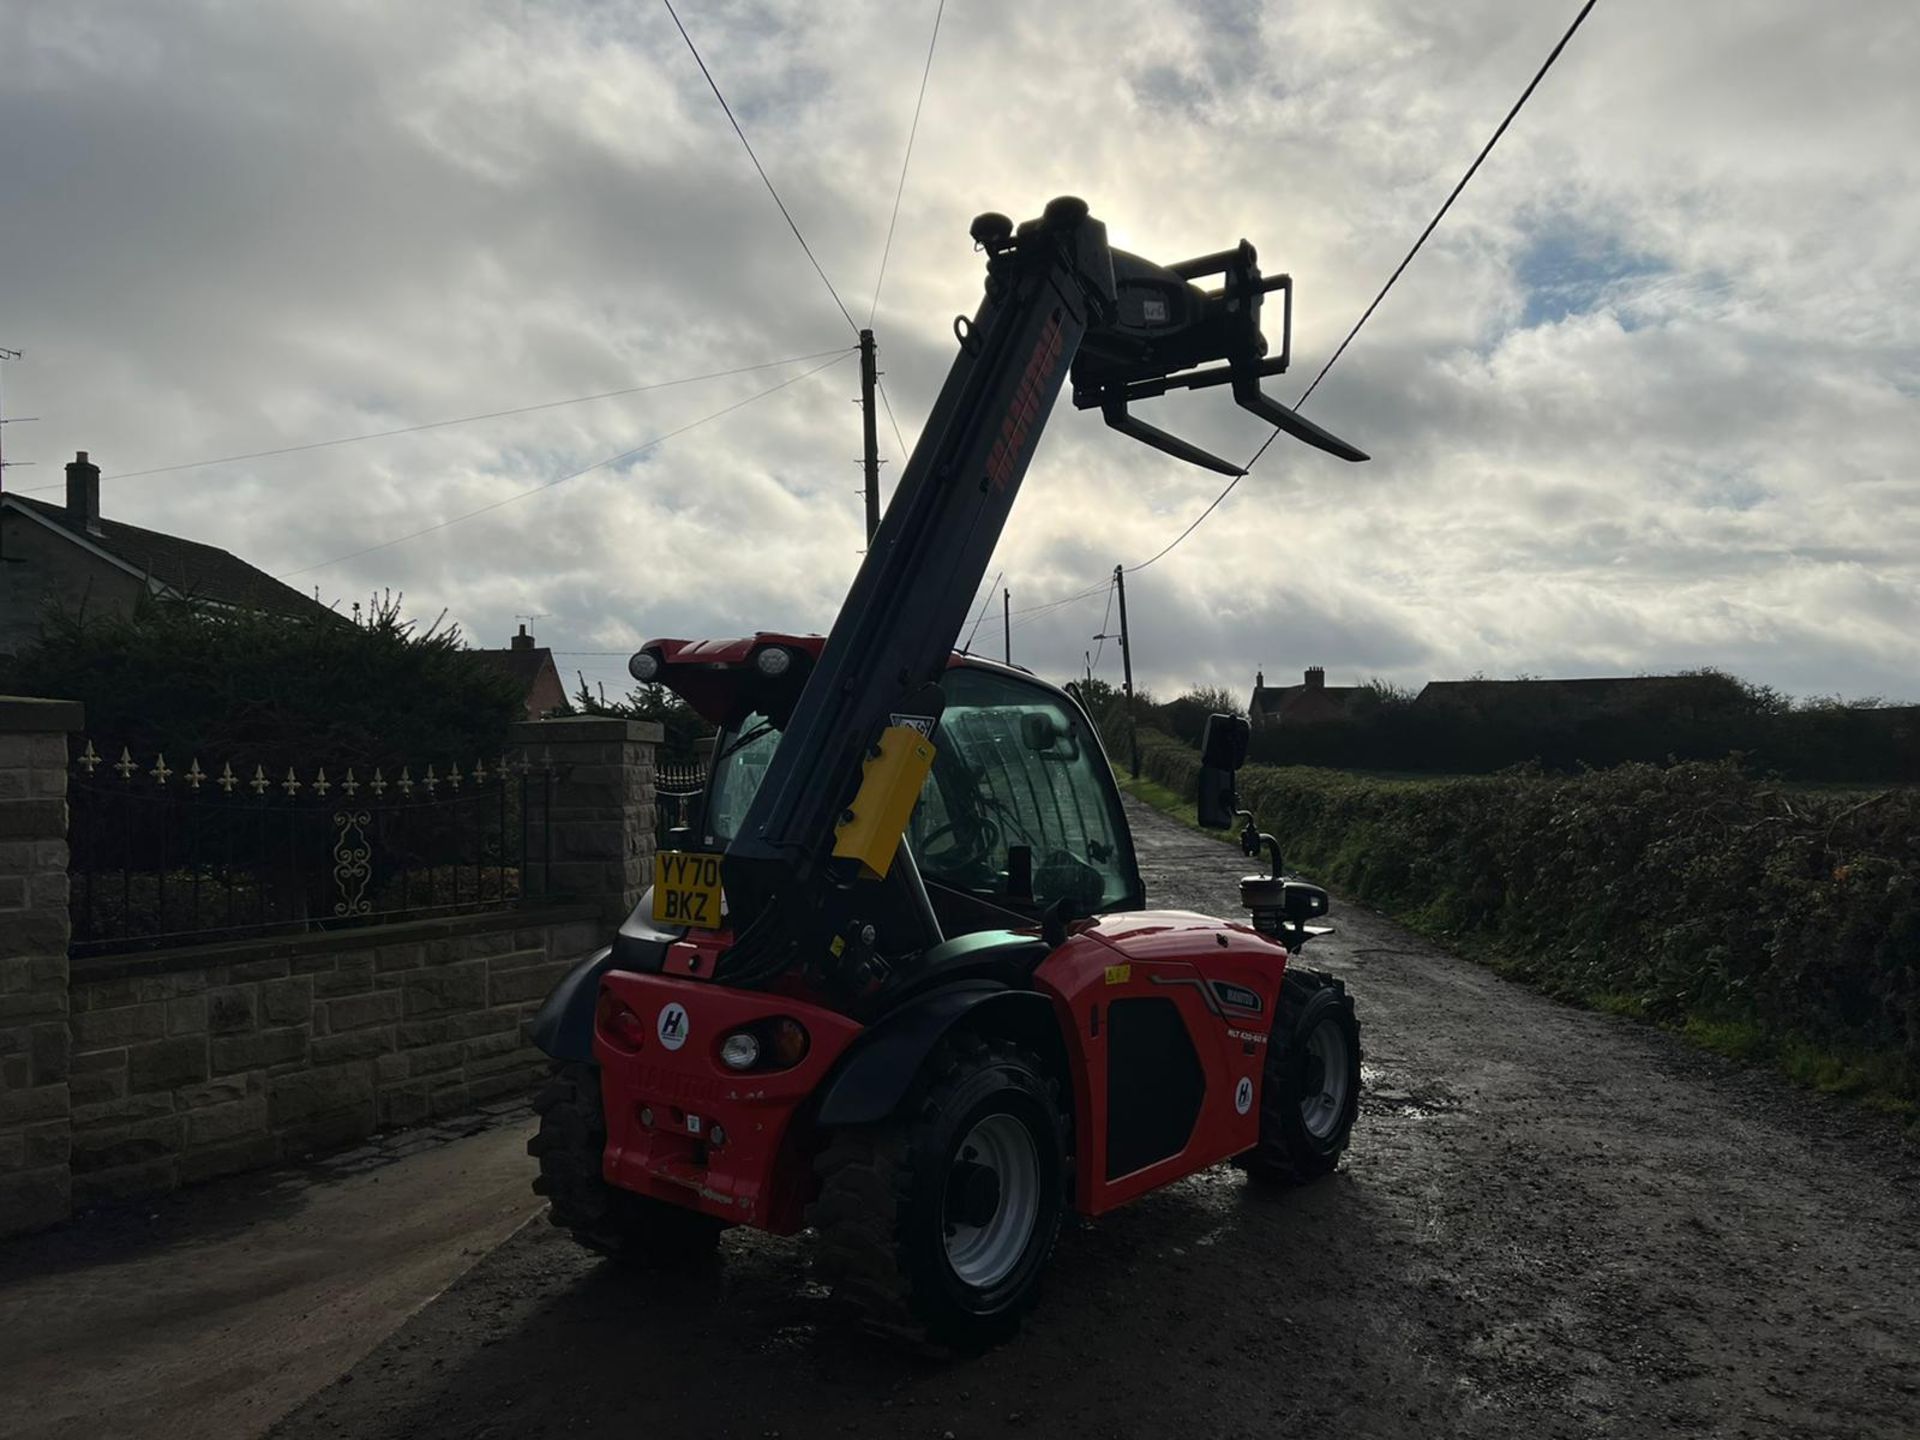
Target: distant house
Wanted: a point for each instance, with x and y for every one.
(1313, 702)
(1675, 696)
(72, 556)
(532, 668)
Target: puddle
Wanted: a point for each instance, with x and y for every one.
(1386, 1092)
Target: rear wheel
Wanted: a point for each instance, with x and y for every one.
(1310, 1093)
(936, 1228)
(633, 1229)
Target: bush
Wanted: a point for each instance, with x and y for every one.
(192, 680)
(1694, 892)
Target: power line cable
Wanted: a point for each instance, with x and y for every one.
(1366, 315)
(1101, 649)
(983, 610)
(712, 85)
(887, 405)
(570, 475)
(461, 420)
(905, 160)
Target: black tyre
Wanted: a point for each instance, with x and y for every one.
(1310, 1094)
(936, 1228)
(634, 1229)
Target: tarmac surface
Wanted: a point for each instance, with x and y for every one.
(1551, 1222)
(213, 1311)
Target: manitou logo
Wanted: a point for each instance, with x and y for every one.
(1028, 397)
(672, 1027)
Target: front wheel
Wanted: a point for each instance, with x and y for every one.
(1310, 1092)
(936, 1228)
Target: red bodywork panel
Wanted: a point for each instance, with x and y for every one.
(708, 674)
(758, 1176)
(1200, 965)
(762, 1174)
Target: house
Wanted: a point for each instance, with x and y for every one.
(71, 555)
(1313, 702)
(532, 668)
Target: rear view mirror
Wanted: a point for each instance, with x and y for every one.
(1223, 750)
(1038, 730)
(1223, 744)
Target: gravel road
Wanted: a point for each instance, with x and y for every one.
(1550, 1223)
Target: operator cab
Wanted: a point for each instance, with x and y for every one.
(1019, 814)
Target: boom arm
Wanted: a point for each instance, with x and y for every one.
(1056, 297)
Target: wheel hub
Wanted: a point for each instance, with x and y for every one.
(991, 1206)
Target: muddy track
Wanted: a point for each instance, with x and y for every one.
(1551, 1223)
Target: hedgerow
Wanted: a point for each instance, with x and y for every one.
(1695, 893)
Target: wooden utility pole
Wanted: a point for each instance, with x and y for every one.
(1006, 622)
(1126, 664)
(870, 456)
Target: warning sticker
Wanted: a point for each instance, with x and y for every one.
(1119, 974)
(1243, 1094)
(922, 723)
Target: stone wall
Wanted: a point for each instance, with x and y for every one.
(34, 1131)
(601, 816)
(128, 1074)
(196, 1063)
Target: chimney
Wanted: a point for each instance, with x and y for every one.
(523, 641)
(1316, 678)
(83, 494)
(1259, 679)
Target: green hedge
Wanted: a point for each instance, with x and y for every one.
(1696, 894)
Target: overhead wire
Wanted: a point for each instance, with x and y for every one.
(983, 610)
(1101, 649)
(1399, 269)
(462, 419)
(785, 213)
(571, 474)
(905, 160)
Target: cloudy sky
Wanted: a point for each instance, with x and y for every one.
(1646, 400)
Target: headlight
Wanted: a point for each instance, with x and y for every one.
(644, 666)
(773, 661)
(740, 1050)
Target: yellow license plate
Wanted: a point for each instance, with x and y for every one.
(686, 889)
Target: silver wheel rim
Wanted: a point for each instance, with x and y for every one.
(1321, 1109)
(985, 1254)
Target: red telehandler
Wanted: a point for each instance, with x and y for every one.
(896, 981)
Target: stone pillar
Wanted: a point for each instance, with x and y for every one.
(599, 827)
(36, 1134)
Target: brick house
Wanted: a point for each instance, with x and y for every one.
(1312, 702)
(70, 555)
(532, 668)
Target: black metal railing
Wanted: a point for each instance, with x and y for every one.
(162, 856)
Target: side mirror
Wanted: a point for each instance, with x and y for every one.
(1223, 750)
(1223, 744)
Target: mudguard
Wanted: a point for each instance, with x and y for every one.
(563, 1026)
(876, 1075)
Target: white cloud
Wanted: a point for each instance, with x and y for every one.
(1646, 400)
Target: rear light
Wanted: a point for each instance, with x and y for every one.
(776, 1044)
(617, 1021)
(787, 1044)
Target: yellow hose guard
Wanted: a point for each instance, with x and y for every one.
(889, 787)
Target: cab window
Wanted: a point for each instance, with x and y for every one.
(1019, 786)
